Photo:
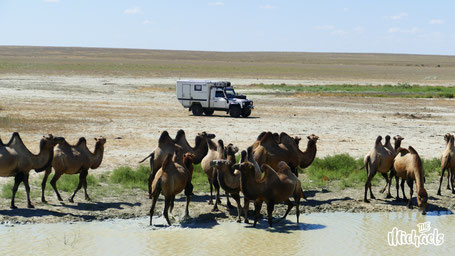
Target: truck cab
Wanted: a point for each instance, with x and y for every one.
(209, 96)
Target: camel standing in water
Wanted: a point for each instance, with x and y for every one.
(274, 187)
(172, 178)
(167, 145)
(448, 162)
(270, 152)
(74, 159)
(215, 152)
(16, 160)
(408, 166)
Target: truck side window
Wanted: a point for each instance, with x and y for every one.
(198, 87)
(219, 94)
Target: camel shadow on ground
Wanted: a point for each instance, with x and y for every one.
(285, 226)
(26, 212)
(97, 206)
(311, 202)
(203, 221)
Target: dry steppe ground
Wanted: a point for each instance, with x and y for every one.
(128, 96)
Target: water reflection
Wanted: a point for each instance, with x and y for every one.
(324, 233)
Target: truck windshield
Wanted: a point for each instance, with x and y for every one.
(230, 93)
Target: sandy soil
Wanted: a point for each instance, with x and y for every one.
(132, 112)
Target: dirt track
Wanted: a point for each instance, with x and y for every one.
(132, 112)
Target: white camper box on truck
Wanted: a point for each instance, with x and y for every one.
(208, 96)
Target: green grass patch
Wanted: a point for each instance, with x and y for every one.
(129, 178)
(400, 90)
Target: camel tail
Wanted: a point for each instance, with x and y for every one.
(152, 155)
(366, 164)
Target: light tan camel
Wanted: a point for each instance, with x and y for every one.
(448, 162)
(227, 179)
(167, 145)
(274, 187)
(380, 159)
(270, 152)
(408, 166)
(215, 152)
(16, 160)
(73, 159)
(172, 178)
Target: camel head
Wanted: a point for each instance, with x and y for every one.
(49, 141)
(206, 135)
(313, 138)
(101, 140)
(422, 200)
(447, 137)
(178, 154)
(188, 158)
(245, 168)
(231, 149)
(398, 138)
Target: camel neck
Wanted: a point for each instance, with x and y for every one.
(97, 157)
(43, 159)
(200, 150)
(397, 144)
(248, 186)
(307, 157)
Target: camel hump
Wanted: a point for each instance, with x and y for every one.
(188, 160)
(269, 172)
(413, 151)
(164, 138)
(243, 156)
(81, 141)
(220, 143)
(261, 135)
(283, 167)
(267, 138)
(378, 140)
(249, 151)
(180, 134)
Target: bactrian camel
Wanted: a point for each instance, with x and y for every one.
(73, 159)
(16, 160)
(167, 145)
(173, 177)
(408, 167)
(268, 151)
(275, 187)
(448, 162)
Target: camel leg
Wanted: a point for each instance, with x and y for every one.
(451, 180)
(270, 207)
(217, 198)
(17, 180)
(257, 211)
(448, 179)
(43, 183)
(239, 207)
(228, 204)
(27, 189)
(82, 176)
(290, 205)
(402, 189)
(211, 191)
(397, 185)
(440, 181)
(152, 174)
(368, 186)
(246, 207)
(411, 185)
(171, 206)
(167, 202)
(392, 174)
(387, 184)
(84, 184)
(57, 176)
(155, 195)
(297, 204)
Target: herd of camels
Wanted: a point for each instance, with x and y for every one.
(267, 170)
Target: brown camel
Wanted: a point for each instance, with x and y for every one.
(273, 188)
(227, 179)
(380, 159)
(73, 159)
(393, 151)
(172, 178)
(408, 166)
(167, 145)
(16, 160)
(448, 162)
(270, 152)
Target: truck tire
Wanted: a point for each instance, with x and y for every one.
(208, 111)
(246, 112)
(196, 109)
(235, 111)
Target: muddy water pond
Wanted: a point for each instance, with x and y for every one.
(317, 234)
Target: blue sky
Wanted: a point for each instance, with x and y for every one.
(386, 26)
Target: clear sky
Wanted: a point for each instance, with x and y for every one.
(381, 26)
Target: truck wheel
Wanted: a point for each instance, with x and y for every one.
(246, 112)
(208, 111)
(235, 111)
(196, 109)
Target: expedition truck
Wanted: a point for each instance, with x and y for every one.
(208, 96)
